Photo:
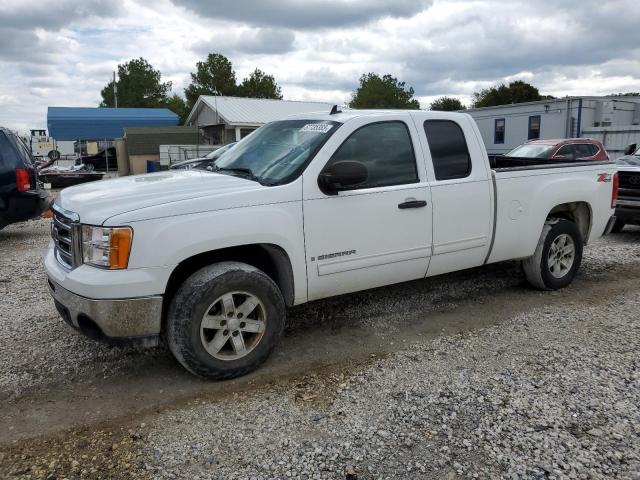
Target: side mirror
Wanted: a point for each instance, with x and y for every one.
(630, 149)
(343, 175)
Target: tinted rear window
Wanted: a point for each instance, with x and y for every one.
(448, 148)
(9, 154)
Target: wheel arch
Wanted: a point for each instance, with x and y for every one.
(272, 259)
(579, 213)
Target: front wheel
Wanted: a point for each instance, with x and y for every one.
(225, 320)
(557, 257)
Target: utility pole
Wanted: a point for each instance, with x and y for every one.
(215, 101)
(115, 90)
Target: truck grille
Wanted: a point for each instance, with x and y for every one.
(65, 233)
(629, 180)
(629, 184)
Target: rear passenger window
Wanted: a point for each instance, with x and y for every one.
(584, 150)
(448, 147)
(566, 151)
(386, 150)
(9, 156)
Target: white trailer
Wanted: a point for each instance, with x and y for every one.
(505, 127)
(43, 145)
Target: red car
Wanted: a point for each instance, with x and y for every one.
(566, 149)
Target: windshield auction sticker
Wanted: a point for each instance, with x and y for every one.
(317, 127)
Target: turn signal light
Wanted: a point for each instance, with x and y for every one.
(120, 247)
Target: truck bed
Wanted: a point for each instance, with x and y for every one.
(525, 194)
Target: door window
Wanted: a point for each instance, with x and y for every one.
(386, 150)
(448, 147)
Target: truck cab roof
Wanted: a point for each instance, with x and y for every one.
(348, 114)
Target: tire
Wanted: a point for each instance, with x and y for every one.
(192, 343)
(54, 155)
(618, 226)
(543, 273)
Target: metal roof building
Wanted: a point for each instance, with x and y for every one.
(71, 123)
(228, 119)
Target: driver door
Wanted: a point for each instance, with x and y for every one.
(376, 233)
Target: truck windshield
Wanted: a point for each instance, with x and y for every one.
(278, 152)
(530, 151)
(217, 153)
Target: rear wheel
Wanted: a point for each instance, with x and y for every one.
(557, 257)
(618, 226)
(225, 320)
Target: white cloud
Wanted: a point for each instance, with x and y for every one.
(317, 50)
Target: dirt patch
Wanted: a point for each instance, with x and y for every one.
(108, 452)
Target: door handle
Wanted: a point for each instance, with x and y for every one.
(412, 204)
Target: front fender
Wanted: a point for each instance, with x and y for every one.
(171, 240)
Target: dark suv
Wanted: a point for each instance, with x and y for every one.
(20, 196)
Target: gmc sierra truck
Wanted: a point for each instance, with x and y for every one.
(306, 208)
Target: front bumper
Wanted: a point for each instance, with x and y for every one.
(628, 210)
(128, 320)
(610, 224)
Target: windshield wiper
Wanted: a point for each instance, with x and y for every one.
(243, 171)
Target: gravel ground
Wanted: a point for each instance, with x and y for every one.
(551, 392)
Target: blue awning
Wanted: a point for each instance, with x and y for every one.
(71, 123)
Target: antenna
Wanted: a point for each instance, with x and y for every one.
(335, 110)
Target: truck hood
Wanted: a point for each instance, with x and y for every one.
(628, 160)
(97, 201)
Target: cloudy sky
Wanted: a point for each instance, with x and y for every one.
(64, 53)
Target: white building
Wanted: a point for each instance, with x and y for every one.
(613, 120)
(228, 119)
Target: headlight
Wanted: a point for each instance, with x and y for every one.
(106, 247)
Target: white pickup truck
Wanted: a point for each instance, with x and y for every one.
(302, 209)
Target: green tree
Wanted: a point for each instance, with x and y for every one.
(447, 104)
(139, 85)
(177, 105)
(628, 94)
(260, 85)
(515, 92)
(213, 76)
(385, 92)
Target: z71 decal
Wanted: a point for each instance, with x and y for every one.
(604, 177)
